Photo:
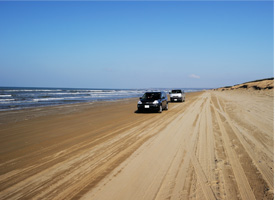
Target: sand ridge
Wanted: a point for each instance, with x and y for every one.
(216, 145)
(262, 84)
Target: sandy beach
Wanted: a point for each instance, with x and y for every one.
(219, 144)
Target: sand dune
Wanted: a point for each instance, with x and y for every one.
(262, 84)
(216, 145)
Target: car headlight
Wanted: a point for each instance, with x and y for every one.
(156, 102)
(139, 102)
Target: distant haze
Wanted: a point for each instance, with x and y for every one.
(126, 44)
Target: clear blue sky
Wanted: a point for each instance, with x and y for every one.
(135, 44)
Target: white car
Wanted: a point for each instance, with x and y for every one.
(177, 95)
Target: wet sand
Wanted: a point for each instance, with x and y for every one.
(216, 145)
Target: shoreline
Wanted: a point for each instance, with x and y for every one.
(7, 116)
(17, 99)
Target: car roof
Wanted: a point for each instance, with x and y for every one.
(155, 92)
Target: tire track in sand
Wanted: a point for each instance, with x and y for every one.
(263, 167)
(175, 178)
(241, 179)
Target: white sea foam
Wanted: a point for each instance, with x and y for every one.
(75, 97)
(66, 93)
(105, 92)
(48, 99)
(6, 100)
(98, 96)
(5, 95)
(30, 90)
(95, 90)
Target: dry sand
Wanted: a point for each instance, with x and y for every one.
(216, 145)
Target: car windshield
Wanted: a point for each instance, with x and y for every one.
(151, 95)
(176, 91)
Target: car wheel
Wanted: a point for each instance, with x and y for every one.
(160, 109)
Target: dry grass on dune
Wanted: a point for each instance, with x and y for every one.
(262, 84)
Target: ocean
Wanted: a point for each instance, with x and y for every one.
(14, 98)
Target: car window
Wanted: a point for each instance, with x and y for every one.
(151, 95)
(176, 91)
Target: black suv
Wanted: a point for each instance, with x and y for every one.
(153, 101)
